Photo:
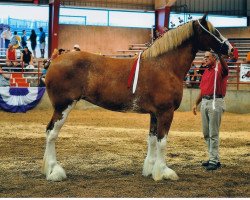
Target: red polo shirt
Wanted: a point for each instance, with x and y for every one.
(207, 82)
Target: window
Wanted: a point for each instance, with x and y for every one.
(177, 19)
(100, 17)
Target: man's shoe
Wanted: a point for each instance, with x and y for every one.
(205, 164)
(212, 166)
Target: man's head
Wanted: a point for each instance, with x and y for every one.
(41, 29)
(25, 48)
(209, 58)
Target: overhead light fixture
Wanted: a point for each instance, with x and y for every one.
(180, 20)
(172, 24)
(189, 17)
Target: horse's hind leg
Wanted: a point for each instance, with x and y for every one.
(51, 168)
(151, 154)
(160, 169)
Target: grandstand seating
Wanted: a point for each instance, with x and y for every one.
(17, 80)
(242, 44)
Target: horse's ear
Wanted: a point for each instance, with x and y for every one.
(203, 19)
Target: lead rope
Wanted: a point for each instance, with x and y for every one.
(215, 83)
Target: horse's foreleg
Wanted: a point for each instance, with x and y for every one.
(160, 169)
(51, 168)
(151, 154)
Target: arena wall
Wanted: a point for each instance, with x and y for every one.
(107, 40)
(100, 39)
(236, 101)
(235, 32)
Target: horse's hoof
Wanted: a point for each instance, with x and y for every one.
(57, 174)
(164, 173)
(170, 174)
(148, 167)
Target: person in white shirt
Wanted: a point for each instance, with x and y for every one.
(6, 35)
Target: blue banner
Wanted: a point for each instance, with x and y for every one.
(20, 99)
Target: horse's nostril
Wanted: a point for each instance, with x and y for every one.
(232, 50)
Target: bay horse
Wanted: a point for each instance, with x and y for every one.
(103, 82)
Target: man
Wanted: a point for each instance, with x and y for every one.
(24, 39)
(6, 35)
(76, 47)
(211, 115)
(42, 42)
(15, 40)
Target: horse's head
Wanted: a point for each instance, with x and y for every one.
(208, 37)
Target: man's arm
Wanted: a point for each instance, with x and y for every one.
(197, 102)
(224, 66)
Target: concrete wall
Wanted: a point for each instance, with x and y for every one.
(96, 39)
(236, 101)
(235, 32)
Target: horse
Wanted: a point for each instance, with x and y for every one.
(103, 81)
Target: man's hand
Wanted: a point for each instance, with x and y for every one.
(194, 109)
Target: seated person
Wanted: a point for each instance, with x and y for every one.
(61, 51)
(11, 56)
(191, 76)
(76, 48)
(248, 57)
(201, 70)
(4, 78)
(42, 78)
(26, 56)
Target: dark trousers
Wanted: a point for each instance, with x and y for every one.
(6, 42)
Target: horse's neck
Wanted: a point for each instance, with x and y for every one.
(182, 59)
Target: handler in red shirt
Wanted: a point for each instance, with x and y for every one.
(211, 117)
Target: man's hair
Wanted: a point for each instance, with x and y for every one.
(213, 54)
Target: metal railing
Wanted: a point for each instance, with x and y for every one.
(22, 69)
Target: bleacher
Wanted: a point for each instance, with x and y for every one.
(24, 76)
(242, 44)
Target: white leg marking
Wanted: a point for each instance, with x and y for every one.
(160, 169)
(51, 168)
(151, 156)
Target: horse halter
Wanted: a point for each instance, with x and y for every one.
(221, 42)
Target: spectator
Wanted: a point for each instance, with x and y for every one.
(42, 42)
(11, 56)
(15, 40)
(235, 55)
(24, 39)
(4, 78)
(32, 39)
(201, 70)
(26, 56)
(76, 47)
(212, 107)
(61, 51)
(191, 76)
(248, 57)
(6, 35)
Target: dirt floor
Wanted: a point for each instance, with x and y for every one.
(103, 153)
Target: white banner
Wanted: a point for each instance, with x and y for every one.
(245, 72)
